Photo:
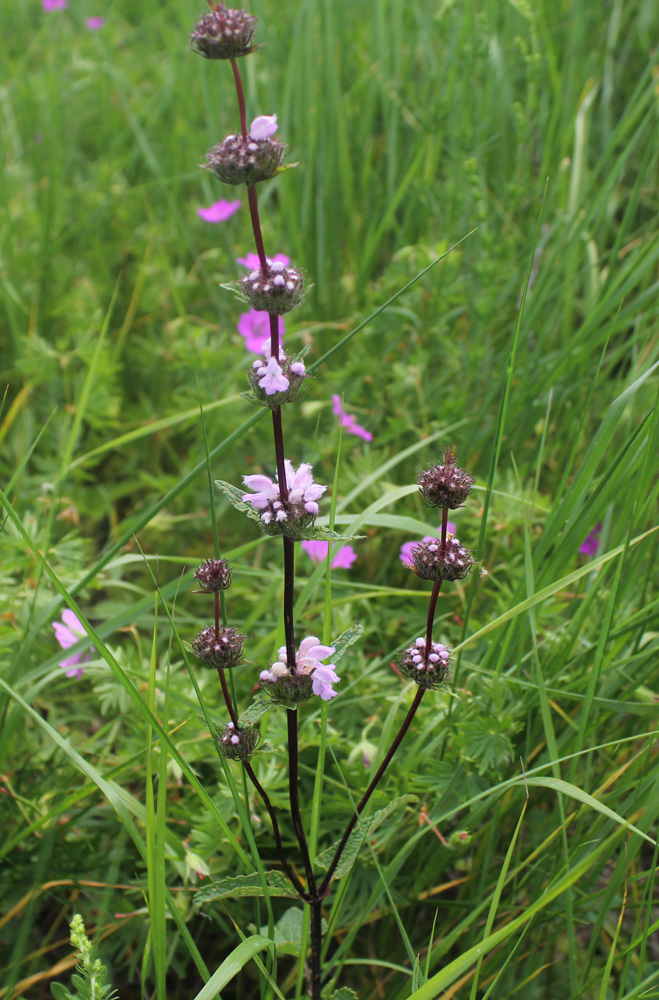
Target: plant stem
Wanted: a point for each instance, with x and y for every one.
(292, 877)
(241, 97)
(432, 605)
(256, 225)
(316, 945)
(227, 696)
(291, 715)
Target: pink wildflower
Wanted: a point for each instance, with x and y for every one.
(67, 633)
(219, 211)
(254, 326)
(592, 543)
(349, 422)
(54, 4)
(94, 23)
(317, 551)
(263, 127)
(252, 262)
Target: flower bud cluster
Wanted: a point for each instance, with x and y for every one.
(276, 382)
(427, 673)
(236, 742)
(213, 575)
(292, 685)
(445, 485)
(238, 160)
(432, 561)
(222, 649)
(275, 290)
(291, 517)
(223, 33)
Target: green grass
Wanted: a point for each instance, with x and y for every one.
(521, 135)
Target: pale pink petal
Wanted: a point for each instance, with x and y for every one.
(344, 558)
(263, 127)
(219, 211)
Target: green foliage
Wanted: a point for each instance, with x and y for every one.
(89, 983)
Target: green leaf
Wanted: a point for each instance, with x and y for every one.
(60, 992)
(288, 931)
(418, 979)
(244, 885)
(346, 639)
(235, 498)
(232, 965)
(327, 535)
(253, 712)
(344, 994)
(363, 829)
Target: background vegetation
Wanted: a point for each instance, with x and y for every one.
(532, 122)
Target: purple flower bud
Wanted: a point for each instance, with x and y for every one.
(221, 650)
(236, 742)
(213, 575)
(223, 33)
(245, 161)
(427, 673)
(432, 562)
(263, 127)
(445, 485)
(275, 291)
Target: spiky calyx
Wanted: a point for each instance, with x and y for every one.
(238, 160)
(289, 689)
(223, 33)
(275, 290)
(431, 561)
(213, 575)
(236, 742)
(445, 485)
(430, 672)
(222, 650)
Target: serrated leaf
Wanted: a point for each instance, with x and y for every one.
(253, 712)
(346, 639)
(244, 885)
(266, 747)
(364, 828)
(235, 498)
(344, 994)
(250, 397)
(327, 535)
(288, 932)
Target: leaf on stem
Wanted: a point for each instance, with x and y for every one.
(244, 885)
(364, 828)
(346, 639)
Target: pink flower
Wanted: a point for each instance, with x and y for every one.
(263, 127)
(67, 633)
(317, 551)
(271, 376)
(592, 543)
(94, 23)
(349, 422)
(407, 548)
(307, 661)
(54, 4)
(252, 262)
(219, 211)
(255, 328)
(303, 493)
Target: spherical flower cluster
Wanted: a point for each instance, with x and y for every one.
(276, 290)
(432, 562)
(428, 673)
(223, 649)
(213, 575)
(250, 159)
(276, 382)
(292, 516)
(236, 742)
(310, 676)
(445, 485)
(223, 33)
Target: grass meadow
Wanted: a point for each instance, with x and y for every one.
(475, 203)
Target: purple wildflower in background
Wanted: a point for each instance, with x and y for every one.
(254, 326)
(317, 551)
(407, 548)
(67, 633)
(252, 262)
(94, 23)
(349, 422)
(54, 4)
(592, 543)
(219, 211)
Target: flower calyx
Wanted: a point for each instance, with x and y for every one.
(275, 289)
(223, 33)
(244, 159)
(213, 575)
(221, 649)
(434, 561)
(445, 485)
(428, 672)
(237, 742)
